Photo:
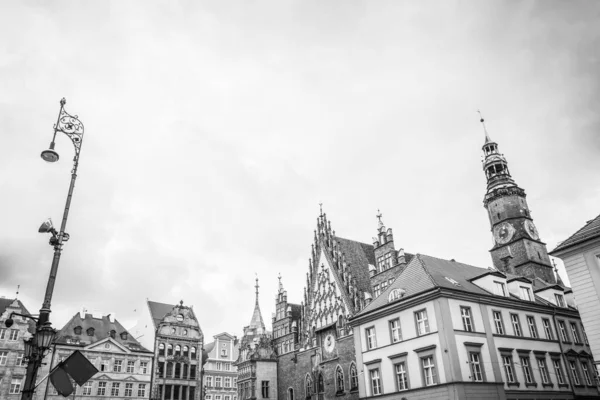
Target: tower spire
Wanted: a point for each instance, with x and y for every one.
(256, 287)
(257, 322)
(487, 136)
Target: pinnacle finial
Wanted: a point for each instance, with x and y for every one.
(280, 285)
(487, 136)
(321, 209)
(256, 286)
(379, 215)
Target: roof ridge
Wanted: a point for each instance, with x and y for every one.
(589, 222)
(418, 256)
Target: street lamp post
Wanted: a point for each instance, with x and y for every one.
(44, 335)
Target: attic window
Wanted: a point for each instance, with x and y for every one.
(396, 294)
(452, 281)
(123, 335)
(77, 330)
(90, 332)
(113, 333)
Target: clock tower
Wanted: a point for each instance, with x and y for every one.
(517, 248)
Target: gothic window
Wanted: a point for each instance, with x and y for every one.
(308, 386)
(320, 383)
(339, 380)
(353, 377)
(161, 349)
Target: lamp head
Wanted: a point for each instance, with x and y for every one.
(47, 227)
(50, 155)
(9, 322)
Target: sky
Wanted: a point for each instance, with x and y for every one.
(214, 129)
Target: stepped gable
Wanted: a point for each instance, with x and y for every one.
(101, 330)
(358, 257)
(158, 311)
(6, 303)
(589, 231)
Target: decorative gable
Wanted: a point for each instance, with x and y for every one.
(328, 303)
(108, 345)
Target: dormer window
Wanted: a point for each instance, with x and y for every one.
(113, 333)
(560, 300)
(372, 270)
(499, 288)
(90, 332)
(396, 294)
(525, 293)
(77, 330)
(123, 335)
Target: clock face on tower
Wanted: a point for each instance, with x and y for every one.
(530, 229)
(329, 343)
(503, 232)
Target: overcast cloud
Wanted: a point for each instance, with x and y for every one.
(214, 129)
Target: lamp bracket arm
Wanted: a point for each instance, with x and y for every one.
(23, 315)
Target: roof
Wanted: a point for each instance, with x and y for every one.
(158, 311)
(5, 303)
(590, 230)
(257, 320)
(102, 328)
(358, 257)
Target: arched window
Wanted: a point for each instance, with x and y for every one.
(193, 353)
(339, 380)
(161, 349)
(170, 350)
(186, 351)
(308, 386)
(290, 394)
(169, 370)
(90, 331)
(353, 377)
(178, 350)
(320, 384)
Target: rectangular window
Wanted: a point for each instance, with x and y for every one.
(371, 339)
(101, 389)
(575, 332)
(467, 320)
(560, 300)
(574, 372)
(218, 381)
(114, 390)
(516, 324)
(118, 366)
(586, 373)
(543, 370)
(144, 367)
(14, 334)
(3, 357)
(227, 367)
(498, 322)
(265, 389)
(558, 372)
(422, 322)
(209, 381)
(395, 332)
(128, 389)
(375, 382)
(563, 331)
(2, 334)
(525, 293)
(428, 371)
(532, 326)
(548, 329)
(376, 290)
(384, 262)
(15, 386)
(401, 377)
(218, 366)
(475, 361)
(383, 286)
(19, 362)
(499, 288)
(142, 390)
(227, 382)
(527, 370)
(507, 361)
(86, 389)
(130, 366)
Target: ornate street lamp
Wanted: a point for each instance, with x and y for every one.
(44, 335)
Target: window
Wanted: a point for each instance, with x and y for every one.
(170, 350)
(264, 389)
(112, 333)
(475, 361)
(227, 382)
(543, 371)
(227, 366)
(498, 322)
(560, 300)
(371, 339)
(527, 373)
(422, 322)
(117, 365)
(104, 365)
(178, 370)
(77, 330)
(114, 390)
(395, 294)
(3, 357)
(467, 320)
(177, 350)
(428, 371)
(401, 376)
(532, 327)
(193, 353)
(142, 390)
(2, 333)
(375, 382)
(209, 381)
(395, 331)
(384, 262)
(86, 389)
(128, 389)
(507, 361)
(308, 386)
(161, 349)
(144, 367)
(575, 332)
(123, 335)
(383, 286)
(376, 290)
(558, 371)
(218, 381)
(548, 329)
(192, 371)
(14, 334)
(525, 293)
(290, 394)
(574, 372)
(514, 319)
(186, 351)
(353, 377)
(586, 373)
(130, 366)
(101, 389)
(499, 288)
(15, 386)
(218, 366)
(339, 380)
(90, 331)
(563, 331)
(19, 362)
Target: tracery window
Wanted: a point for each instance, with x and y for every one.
(353, 377)
(339, 379)
(308, 386)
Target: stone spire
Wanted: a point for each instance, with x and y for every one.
(257, 320)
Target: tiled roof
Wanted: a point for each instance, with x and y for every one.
(590, 230)
(5, 303)
(158, 311)
(102, 328)
(296, 310)
(257, 320)
(358, 257)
